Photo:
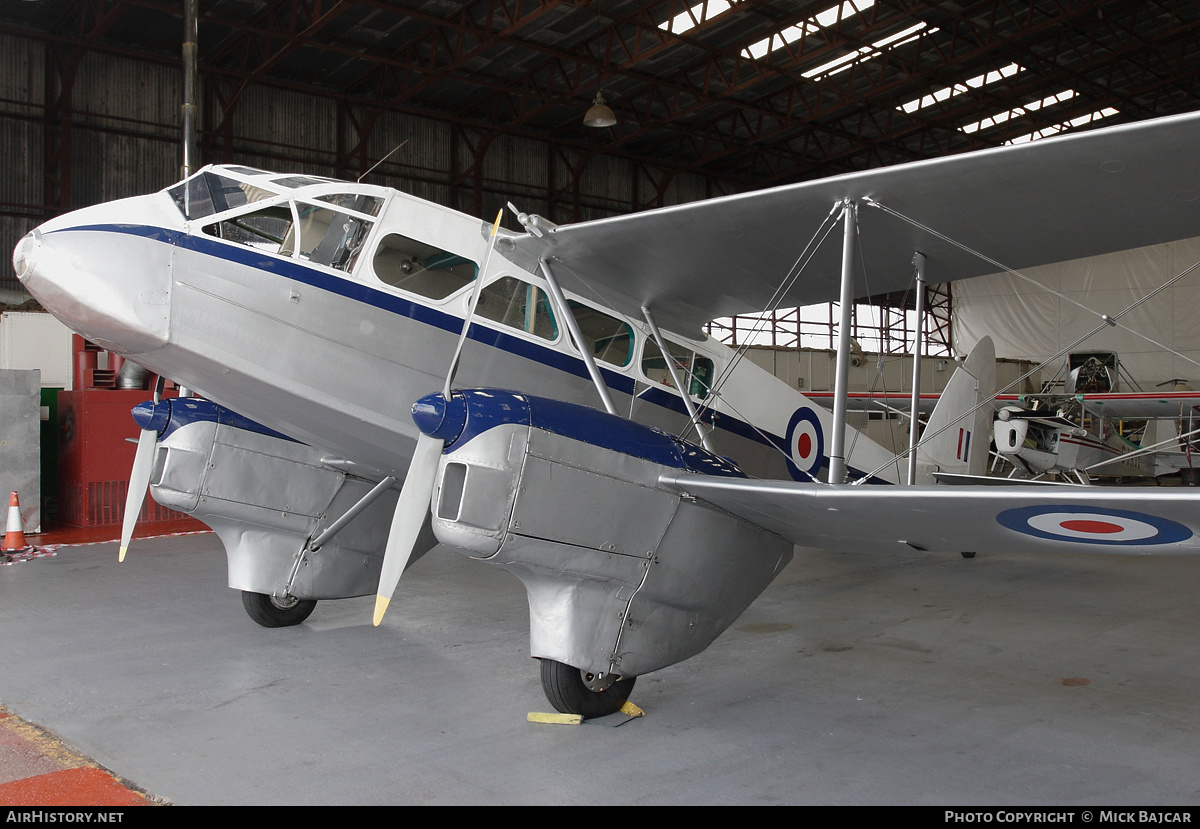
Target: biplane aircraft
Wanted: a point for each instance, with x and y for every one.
(328, 315)
(1073, 437)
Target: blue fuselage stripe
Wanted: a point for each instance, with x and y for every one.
(347, 287)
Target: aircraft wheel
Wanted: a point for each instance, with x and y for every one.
(567, 689)
(272, 613)
(968, 555)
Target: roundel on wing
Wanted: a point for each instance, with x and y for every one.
(1093, 525)
(805, 445)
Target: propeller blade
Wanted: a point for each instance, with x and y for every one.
(418, 483)
(408, 518)
(139, 476)
(139, 482)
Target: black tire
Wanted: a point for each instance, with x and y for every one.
(565, 688)
(267, 612)
(968, 555)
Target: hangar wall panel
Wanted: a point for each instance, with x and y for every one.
(20, 447)
(279, 130)
(21, 145)
(1026, 321)
(37, 341)
(124, 137)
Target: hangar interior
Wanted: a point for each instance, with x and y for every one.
(476, 104)
(473, 104)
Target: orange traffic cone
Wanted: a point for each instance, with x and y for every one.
(14, 532)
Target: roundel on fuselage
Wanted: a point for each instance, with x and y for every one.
(805, 445)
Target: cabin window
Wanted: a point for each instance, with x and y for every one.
(329, 237)
(267, 230)
(247, 171)
(207, 193)
(292, 182)
(520, 305)
(610, 339)
(687, 363)
(421, 268)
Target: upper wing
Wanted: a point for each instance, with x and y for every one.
(959, 518)
(1045, 201)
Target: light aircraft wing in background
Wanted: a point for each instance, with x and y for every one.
(1141, 405)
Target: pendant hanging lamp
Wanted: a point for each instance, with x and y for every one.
(600, 115)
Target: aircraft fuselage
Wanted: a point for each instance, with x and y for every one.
(325, 309)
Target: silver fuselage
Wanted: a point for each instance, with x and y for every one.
(335, 358)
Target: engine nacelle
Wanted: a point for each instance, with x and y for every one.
(1010, 435)
(623, 575)
(265, 496)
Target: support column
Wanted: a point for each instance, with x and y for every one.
(191, 90)
(837, 447)
(918, 349)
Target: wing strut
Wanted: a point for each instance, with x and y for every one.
(679, 386)
(837, 447)
(918, 347)
(564, 311)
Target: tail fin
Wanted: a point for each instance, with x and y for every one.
(963, 447)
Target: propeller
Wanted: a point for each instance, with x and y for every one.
(139, 477)
(436, 424)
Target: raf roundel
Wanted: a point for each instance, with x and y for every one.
(805, 445)
(1093, 525)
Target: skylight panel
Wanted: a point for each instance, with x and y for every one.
(810, 26)
(1065, 125)
(846, 61)
(1016, 112)
(697, 15)
(959, 88)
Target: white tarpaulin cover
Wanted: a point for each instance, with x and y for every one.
(1025, 321)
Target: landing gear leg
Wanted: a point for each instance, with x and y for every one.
(572, 691)
(271, 612)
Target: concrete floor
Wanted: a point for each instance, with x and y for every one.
(914, 679)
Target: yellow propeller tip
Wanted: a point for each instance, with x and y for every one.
(381, 604)
(121, 554)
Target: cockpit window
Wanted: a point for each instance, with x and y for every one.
(520, 305)
(355, 201)
(329, 237)
(208, 193)
(268, 230)
(423, 269)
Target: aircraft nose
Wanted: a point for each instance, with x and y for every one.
(109, 281)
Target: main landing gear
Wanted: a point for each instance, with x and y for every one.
(271, 612)
(572, 691)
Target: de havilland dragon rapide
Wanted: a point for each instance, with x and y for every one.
(376, 374)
